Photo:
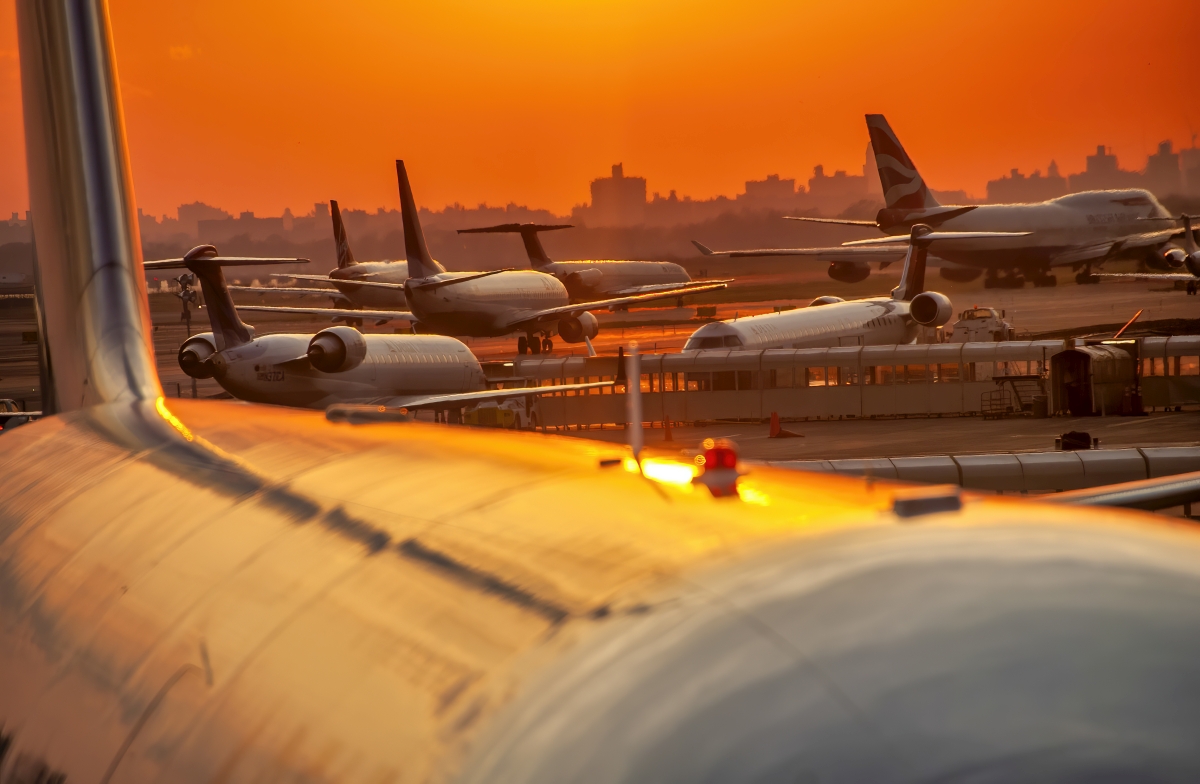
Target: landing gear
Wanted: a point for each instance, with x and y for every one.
(535, 345)
(547, 345)
(522, 345)
(1010, 280)
(1085, 276)
(1043, 280)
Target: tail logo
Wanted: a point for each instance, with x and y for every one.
(903, 186)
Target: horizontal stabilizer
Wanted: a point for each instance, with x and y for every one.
(838, 221)
(341, 314)
(217, 261)
(426, 285)
(516, 228)
(289, 290)
(703, 249)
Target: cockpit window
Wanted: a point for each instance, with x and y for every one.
(732, 341)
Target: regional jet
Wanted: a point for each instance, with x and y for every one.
(832, 321)
(501, 302)
(1077, 230)
(339, 365)
(590, 280)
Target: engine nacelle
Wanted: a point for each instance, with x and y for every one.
(1169, 259)
(575, 329)
(195, 353)
(1193, 263)
(826, 300)
(337, 349)
(587, 279)
(960, 274)
(930, 309)
(849, 271)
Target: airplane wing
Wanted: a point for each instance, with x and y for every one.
(532, 317)
(437, 284)
(1107, 249)
(343, 314)
(288, 290)
(661, 287)
(320, 278)
(839, 221)
(1150, 276)
(385, 409)
(225, 261)
(837, 253)
(334, 281)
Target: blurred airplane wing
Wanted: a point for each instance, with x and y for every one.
(378, 316)
(335, 281)
(533, 317)
(838, 221)
(288, 290)
(632, 290)
(892, 251)
(390, 405)
(319, 278)
(1150, 276)
(224, 261)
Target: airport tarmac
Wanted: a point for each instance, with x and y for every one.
(1031, 310)
(857, 438)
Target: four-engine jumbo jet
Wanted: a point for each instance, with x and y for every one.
(590, 280)
(501, 302)
(832, 321)
(1076, 231)
(339, 365)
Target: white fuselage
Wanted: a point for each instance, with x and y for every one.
(865, 322)
(1056, 226)
(372, 297)
(482, 307)
(394, 365)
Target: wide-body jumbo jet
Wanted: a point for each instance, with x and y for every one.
(832, 321)
(1075, 231)
(593, 279)
(338, 365)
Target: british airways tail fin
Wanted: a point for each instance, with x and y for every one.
(903, 187)
(420, 263)
(342, 245)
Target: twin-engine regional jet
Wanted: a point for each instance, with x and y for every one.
(590, 280)
(1077, 231)
(832, 321)
(339, 365)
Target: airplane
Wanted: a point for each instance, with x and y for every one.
(361, 284)
(200, 590)
(590, 280)
(1077, 230)
(338, 365)
(833, 321)
(504, 301)
(1187, 257)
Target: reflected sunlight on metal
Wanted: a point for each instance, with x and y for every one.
(160, 405)
(753, 495)
(664, 471)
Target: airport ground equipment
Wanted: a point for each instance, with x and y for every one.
(1019, 472)
(219, 591)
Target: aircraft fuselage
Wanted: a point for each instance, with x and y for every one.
(864, 322)
(482, 307)
(588, 280)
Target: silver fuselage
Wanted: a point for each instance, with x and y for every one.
(588, 280)
(484, 306)
(865, 322)
(371, 297)
(1058, 225)
(263, 370)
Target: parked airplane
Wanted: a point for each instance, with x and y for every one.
(1076, 231)
(362, 284)
(339, 365)
(589, 280)
(501, 302)
(1187, 257)
(832, 321)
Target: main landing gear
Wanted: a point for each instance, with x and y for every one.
(1044, 279)
(532, 344)
(1085, 276)
(1011, 279)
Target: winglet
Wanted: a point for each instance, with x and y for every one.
(341, 244)
(703, 249)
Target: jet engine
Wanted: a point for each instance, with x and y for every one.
(1192, 263)
(826, 300)
(585, 279)
(930, 309)
(574, 329)
(849, 271)
(195, 353)
(337, 349)
(1167, 259)
(960, 274)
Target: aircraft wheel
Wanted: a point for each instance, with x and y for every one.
(522, 345)
(535, 345)
(547, 346)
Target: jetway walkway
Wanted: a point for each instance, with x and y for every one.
(948, 379)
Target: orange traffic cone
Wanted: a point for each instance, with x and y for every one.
(779, 432)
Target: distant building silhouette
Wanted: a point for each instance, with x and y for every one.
(1103, 174)
(1189, 160)
(833, 194)
(1162, 176)
(770, 193)
(1016, 188)
(190, 216)
(618, 200)
(246, 225)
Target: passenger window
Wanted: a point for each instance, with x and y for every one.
(869, 375)
(831, 377)
(814, 377)
(723, 381)
(699, 382)
(645, 383)
(883, 374)
(746, 379)
(947, 372)
(1189, 366)
(915, 374)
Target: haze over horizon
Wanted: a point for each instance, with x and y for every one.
(283, 105)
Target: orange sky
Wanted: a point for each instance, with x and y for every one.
(267, 105)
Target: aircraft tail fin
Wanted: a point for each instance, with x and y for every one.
(345, 258)
(420, 263)
(903, 187)
(912, 277)
(529, 235)
(203, 260)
